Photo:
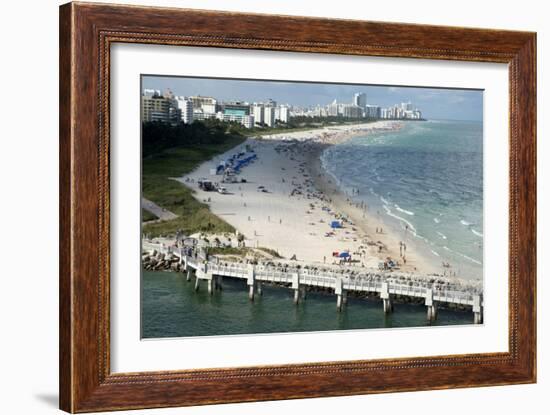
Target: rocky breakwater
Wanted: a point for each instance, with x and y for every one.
(156, 261)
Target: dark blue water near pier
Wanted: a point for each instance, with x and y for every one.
(171, 308)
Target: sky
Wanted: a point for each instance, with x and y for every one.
(435, 103)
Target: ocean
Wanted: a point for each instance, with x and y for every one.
(424, 181)
(170, 307)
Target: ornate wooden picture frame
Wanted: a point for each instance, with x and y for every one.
(87, 32)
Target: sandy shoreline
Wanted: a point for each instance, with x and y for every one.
(369, 222)
(294, 212)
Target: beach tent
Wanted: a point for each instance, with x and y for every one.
(344, 255)
(335, 224)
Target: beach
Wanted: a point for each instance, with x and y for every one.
(289, 204)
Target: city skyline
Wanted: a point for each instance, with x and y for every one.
(435, 103)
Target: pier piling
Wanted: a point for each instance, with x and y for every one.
(431, 306)
(296, 296)
(296, 286)
(477, 309)
(341, 294)
(386, 299)
(251, 281)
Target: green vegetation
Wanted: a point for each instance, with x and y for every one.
(271, 252)
(178, 155)
(147, 216)
(243, 251)
(228, 251)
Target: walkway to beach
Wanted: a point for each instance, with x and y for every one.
(156, 210)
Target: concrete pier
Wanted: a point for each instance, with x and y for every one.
(300, 278)
(386, 299)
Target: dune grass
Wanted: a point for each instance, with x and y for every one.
(147, 216)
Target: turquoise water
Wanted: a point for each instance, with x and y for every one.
(171, 308)
(427, 177)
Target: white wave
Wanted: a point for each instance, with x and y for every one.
(465, 223)
(463, 255)
(393, 215)
(435, 253)
(408, 212)
(384, 201)
(437, 220)
(440, 234)
(477, 233)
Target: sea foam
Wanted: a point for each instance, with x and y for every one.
(407, 212)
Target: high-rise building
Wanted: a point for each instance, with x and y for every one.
(258, 113)
(352, 111)
(248, 121)
(186, 108)
(372, 111)
(269, 115)
(406, 106)
(332, 109)
(282, 114)
(156, 107)
(360, 99)
(207, 104)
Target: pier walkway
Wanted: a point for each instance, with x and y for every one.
(384, 284)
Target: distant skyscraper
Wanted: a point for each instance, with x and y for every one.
(155, 107)
(406, 106)
(360, 99)
(258, 113)
(352, 111)
(186, 107)
(283, 113)
(269, 115)
(332, 109)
